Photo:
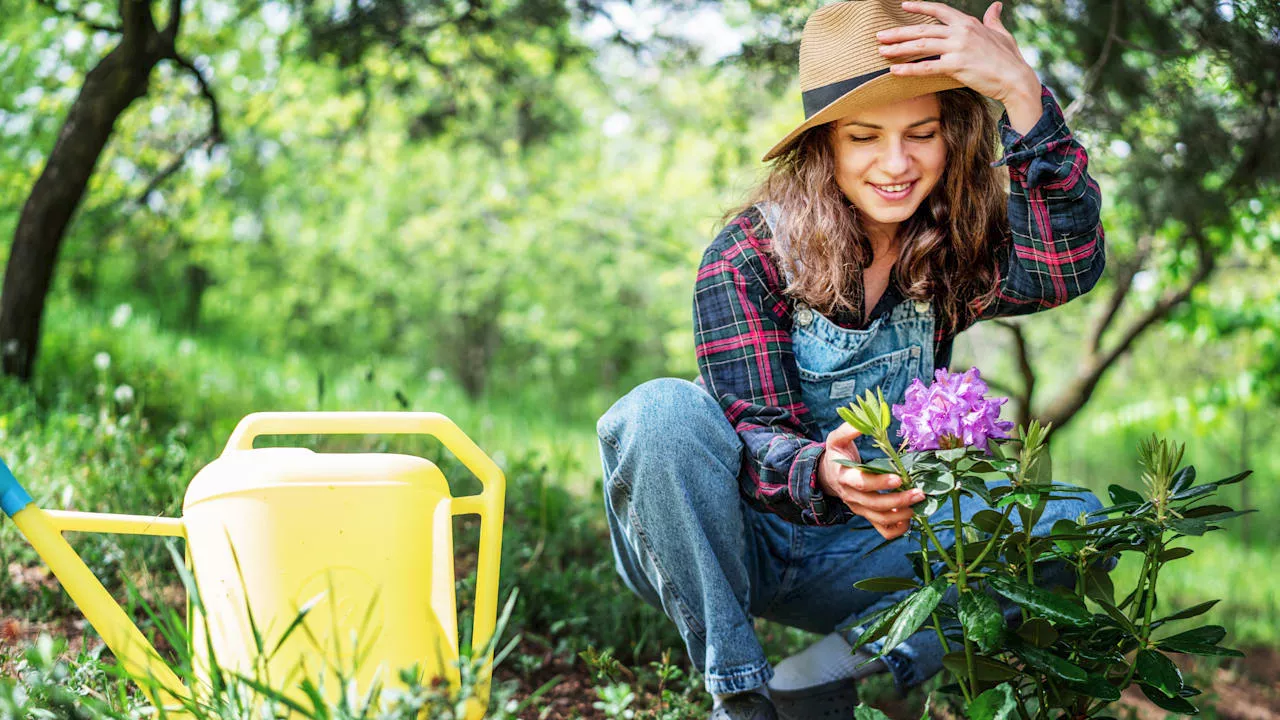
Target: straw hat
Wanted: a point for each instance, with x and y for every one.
(842, 70)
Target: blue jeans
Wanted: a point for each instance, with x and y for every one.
(685, 541)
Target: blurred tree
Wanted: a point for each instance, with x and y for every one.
(1178, 105)
(486, 69)
(120, 78)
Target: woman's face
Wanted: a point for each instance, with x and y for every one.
(889, 158)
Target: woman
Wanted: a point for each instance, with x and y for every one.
(882, 231)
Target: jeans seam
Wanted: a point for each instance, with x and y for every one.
(681, 604)
(736, 674)
(609, 438)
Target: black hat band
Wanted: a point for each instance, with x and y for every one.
(820, 97)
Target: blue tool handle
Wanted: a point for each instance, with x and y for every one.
(12, 497)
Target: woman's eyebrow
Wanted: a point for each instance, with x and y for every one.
(877, 127)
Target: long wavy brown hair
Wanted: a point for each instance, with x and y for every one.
(948, 246)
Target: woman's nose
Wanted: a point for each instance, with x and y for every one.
(895, 160)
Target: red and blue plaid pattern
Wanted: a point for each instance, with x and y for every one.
(742, 320)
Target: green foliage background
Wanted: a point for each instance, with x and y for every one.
(517, 266)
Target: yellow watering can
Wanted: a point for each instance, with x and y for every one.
(357, 545)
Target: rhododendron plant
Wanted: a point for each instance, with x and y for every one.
(1067, 653)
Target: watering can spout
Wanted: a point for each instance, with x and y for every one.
(44, 530)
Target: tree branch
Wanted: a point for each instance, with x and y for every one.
(1208, 263)
(136, 22)
(175, 21)
(214, 136)
(174, 166)
(215, 113)
(1070, 400)
(1025, 369)
(1094, 74)
(1128, 270)
(78, 16)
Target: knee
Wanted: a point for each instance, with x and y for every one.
(660, 412)
(668, 435)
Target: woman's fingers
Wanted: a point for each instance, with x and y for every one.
(887, 518)
(991, 18)
(923, 46)
(890, 532)
(924, 67)
(862, 482)
(912, 32)
(945, 13)
(882, 502)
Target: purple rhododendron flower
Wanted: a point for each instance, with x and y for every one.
(952, 412)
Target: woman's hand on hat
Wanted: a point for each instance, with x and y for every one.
(889, 512)
(982, 54)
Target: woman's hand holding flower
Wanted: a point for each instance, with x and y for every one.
(890, 513)
(982, 54)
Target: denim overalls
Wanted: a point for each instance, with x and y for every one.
(685, 540)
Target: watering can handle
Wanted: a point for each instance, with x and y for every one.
(488, 504)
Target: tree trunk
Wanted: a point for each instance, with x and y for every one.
(109, 88)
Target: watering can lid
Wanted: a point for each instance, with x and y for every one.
(261, 468)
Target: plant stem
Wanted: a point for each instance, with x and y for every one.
(962, 585)
(1150, 570)
(924, 523)
(937, 624)
(994, 536)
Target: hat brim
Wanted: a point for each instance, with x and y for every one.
(887, 88)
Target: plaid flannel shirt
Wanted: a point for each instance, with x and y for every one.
(742, 319)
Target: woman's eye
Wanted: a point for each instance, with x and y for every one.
(930, 136)
(858, 138)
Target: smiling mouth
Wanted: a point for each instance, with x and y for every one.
(896, 191)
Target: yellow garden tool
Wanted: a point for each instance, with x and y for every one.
(358, 546)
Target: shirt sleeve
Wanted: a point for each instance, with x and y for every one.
(1057, 250)
(742, 336)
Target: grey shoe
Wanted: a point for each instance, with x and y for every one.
(746, 706)
(832, 700)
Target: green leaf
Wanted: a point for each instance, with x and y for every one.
(916, 610)
(1195, 492)
(1122, 495)
(986, 669)
(981, 618)
(1041, 470)
(988, 521)
(1054, 608)
(877, 466)
(951, 455)
(1165, 702)
(1233, 479)
(1097, 686)
(1191, 612)
(977, 487)
(886, 584)
(1099, 587)
(1025, 498)
(880, 626)
(866, 712)
(1038, 632)
(1067, 536)
(1189, 526)
(1183, 479)
(1207, 635)
(1159, 671)
(1203, 650)
(1174, 554)
(1049, 663)
(998, 703)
